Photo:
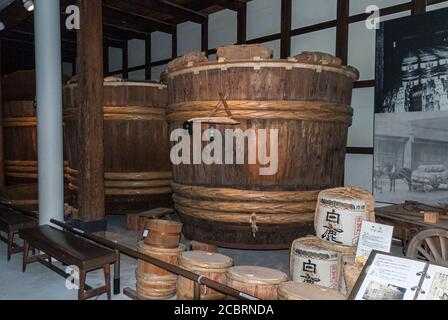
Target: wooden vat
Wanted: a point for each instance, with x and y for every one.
(24, 196)
(19, 127)
(168, 255)
(163, 233)
(306, 291)
(307, 99)
(210, 265)
(259, 282)
(136, 145)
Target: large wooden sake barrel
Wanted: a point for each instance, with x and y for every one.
(19, 127)
(258, 282)
(136, 145)
(210, 265)
(306, 98)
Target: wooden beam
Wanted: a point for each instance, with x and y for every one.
(14, 14)
(360, 150)
(151, 8)
(418, 6)
(343, 13)
(148, 58)
(90, 115)
(204, 35)
(242, 24)
(2, 167)
(134, 22)
(125, 60)
(234, 5)
(286, 26)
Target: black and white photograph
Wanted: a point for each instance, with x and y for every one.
(411, 106)
(381, 291)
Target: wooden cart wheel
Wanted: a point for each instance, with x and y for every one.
(430, 245)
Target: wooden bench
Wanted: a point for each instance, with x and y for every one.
(11, 222)
(72, 251)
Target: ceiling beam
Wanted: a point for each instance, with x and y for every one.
(150, 8)
(234, 5)
(14, 14)
(120, 18)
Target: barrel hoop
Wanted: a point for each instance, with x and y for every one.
(23, 169)
(274, 109)
(229, 194)
(19, 122)
(257, 65)
(129, 183)
(247, 207)
(160, 86)
(245, 218)
(125, 113)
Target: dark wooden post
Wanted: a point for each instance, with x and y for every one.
(148, 58)
(204, 35)
(90, 116)
(342, 25)
(2, 167)
(418, 6)
(285, 45)
(242, 24)
(125, 61)
(174, 45)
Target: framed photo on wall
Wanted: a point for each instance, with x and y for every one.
(411, 110)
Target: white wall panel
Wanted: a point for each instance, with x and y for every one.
(309, 12)
(115, 59)
(222, 28)
(359, 6)
(358, 171)
(275, 46)
(360, 133)
(263, 18)
(137, 75)
(323, 40)
(136, 53)
(160, 46)
(188, 37)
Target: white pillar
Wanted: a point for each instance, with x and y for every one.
(49, 110)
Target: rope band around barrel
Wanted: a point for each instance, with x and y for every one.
(265, 110)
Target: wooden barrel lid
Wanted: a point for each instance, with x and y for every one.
(304, 291)
(256, 275)
(203, 259)
(147, 249)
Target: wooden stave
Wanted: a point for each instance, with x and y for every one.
(153, 287)
(169, 255)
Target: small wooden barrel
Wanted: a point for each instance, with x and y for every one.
(340, 213)
(153, 287)
(164, 254)
(210, 265)
(310, 263)
(306, 99)
(259, 282)
(163, 233)
(306, 291)
(199, 246)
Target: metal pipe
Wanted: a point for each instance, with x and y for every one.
(49, 110)
(161, 264)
